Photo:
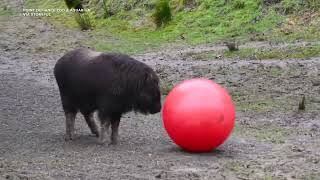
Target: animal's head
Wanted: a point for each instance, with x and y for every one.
(149, 97)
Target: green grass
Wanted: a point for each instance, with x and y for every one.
(133, 30)
(264, 132)
(287, 53)
(6, 11)
(290, 52)
(258, 106)
(276, 71)
(165, 88)
(247, 103)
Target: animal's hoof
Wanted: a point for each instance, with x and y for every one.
(113, 143)
(101, 141)
(96, 134)
(68, 138)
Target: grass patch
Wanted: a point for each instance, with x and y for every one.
(276, 71)
(84, 21)
(165, 88)
(206, 21)
(288, 53)
(6, 11)
(291, 52)
(162, 14)
(264, 132)
(209, 55)
(246, 103)
(236, 166)
(264, 105)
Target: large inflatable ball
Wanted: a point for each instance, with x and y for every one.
(198, 115)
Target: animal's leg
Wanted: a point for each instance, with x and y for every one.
(70, 112)
(115, 121)
(91, 123)
(108, 127)
(105, 123)
(70, 119)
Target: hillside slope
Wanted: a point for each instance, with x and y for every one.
(130, 28)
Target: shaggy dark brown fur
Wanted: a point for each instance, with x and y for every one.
(112, 84)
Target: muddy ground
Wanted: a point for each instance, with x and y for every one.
(271, 140)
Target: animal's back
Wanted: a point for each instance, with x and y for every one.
(84, 75)
(73, 77)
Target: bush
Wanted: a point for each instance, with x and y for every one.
(162, 14)
(106, 9)
(84, 21)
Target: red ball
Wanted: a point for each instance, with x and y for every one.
(198, 115)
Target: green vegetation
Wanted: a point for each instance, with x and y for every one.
(247, 103)
(291, 52)
(6, 11)
(162, 14)
(84, 21)
(287, 53)
(264, 105)
(276, 71)
(131, 23)
(264, 132)
(165, 88)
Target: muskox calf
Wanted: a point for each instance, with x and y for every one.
(111, 84)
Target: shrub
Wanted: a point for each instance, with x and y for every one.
(84, 21)
(162, 14)
(106, 9)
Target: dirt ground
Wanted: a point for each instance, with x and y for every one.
(271, 140)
